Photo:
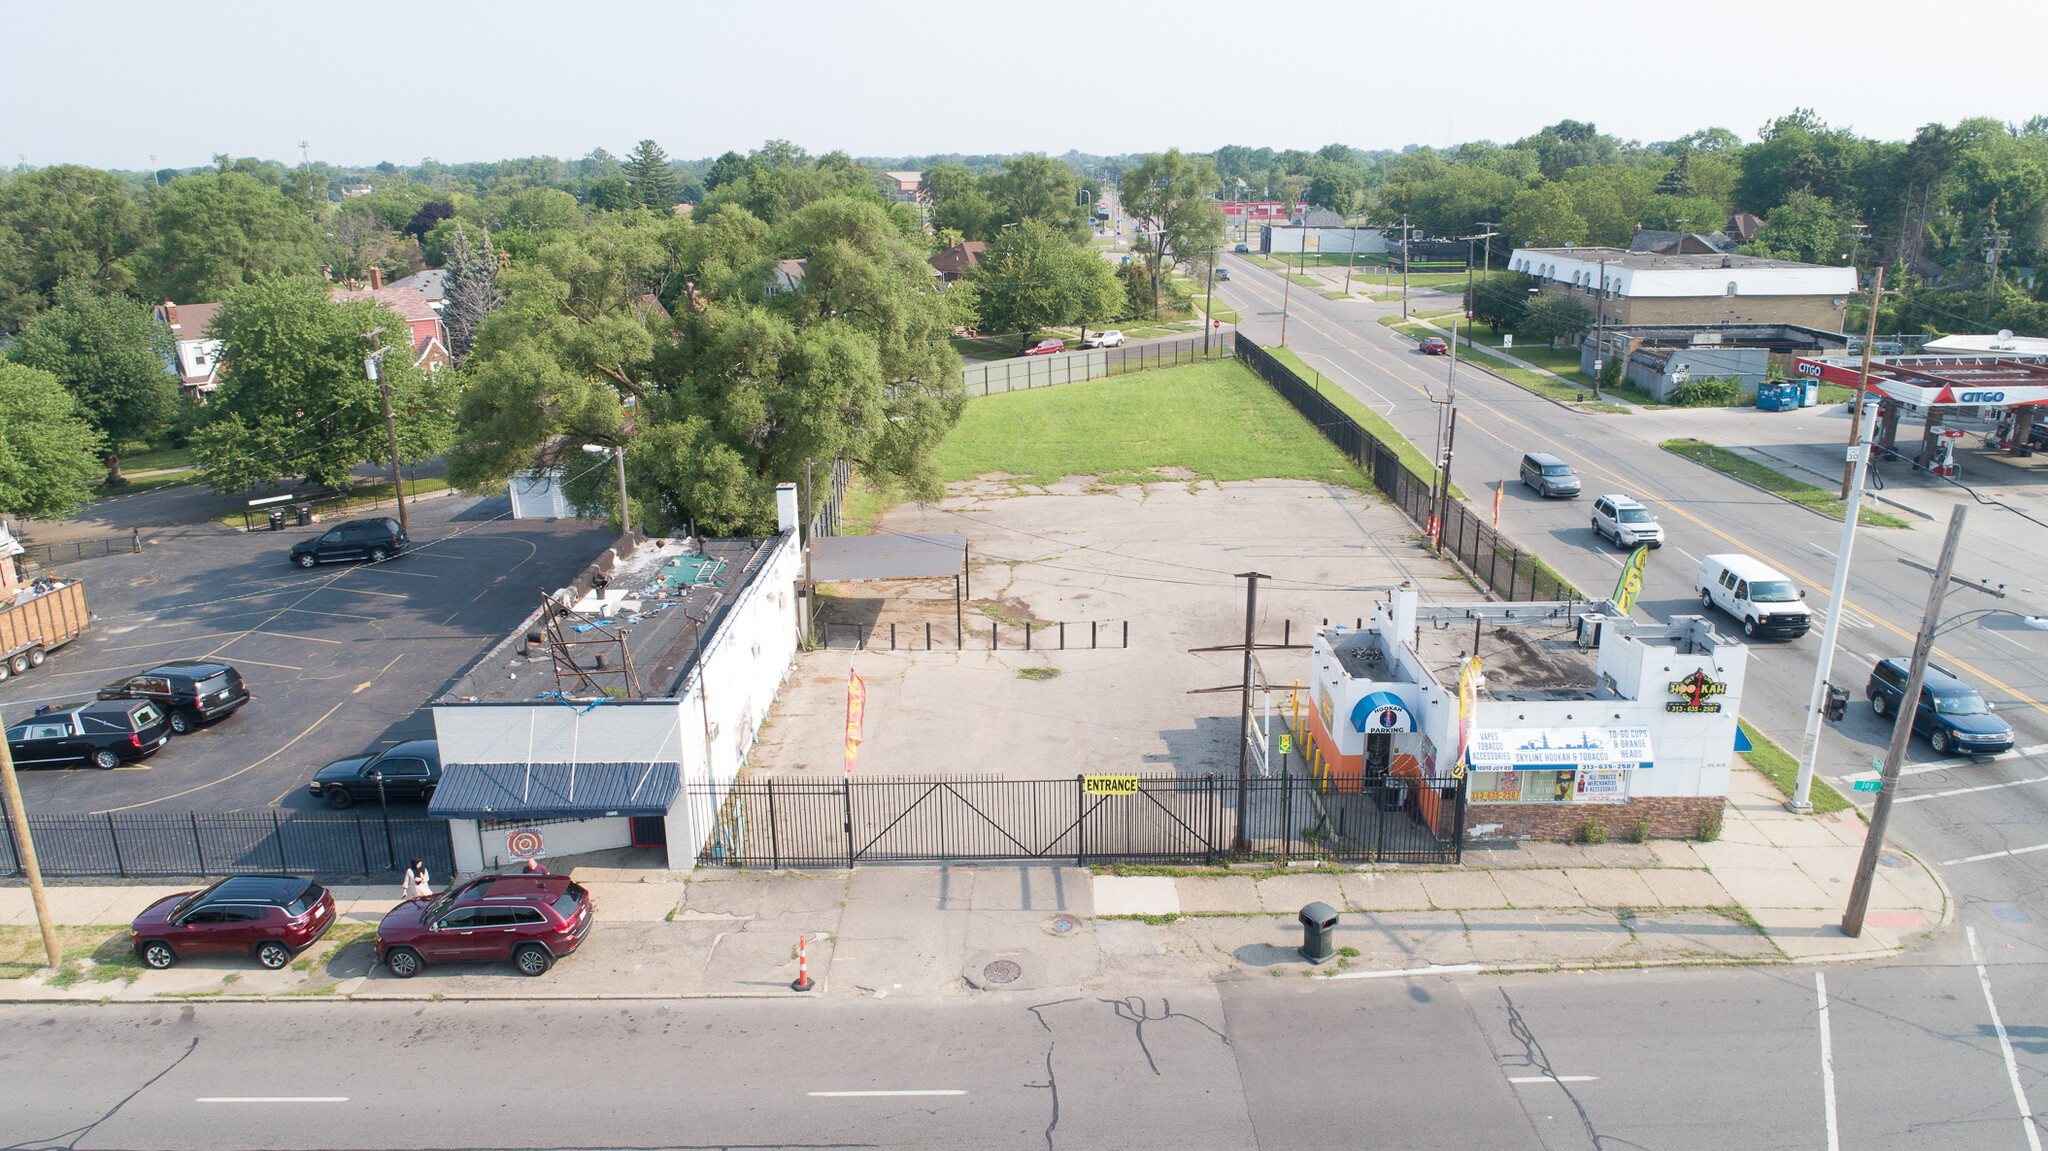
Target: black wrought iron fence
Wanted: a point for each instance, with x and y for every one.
(928, 636)
(1510, 569)
(65, 551)
(228, 843)
(783, 822)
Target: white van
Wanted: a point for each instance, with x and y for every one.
(1759, 595)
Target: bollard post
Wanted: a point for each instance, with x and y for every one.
(892, 637)
(1127, 633)
(803, 968)
(927, 635)
(1063, 635)
(1091, 635)
(1027, 635)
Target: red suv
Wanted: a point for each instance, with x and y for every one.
(272, 917)
(1046, 348)
(531, 920)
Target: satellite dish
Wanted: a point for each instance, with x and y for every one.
(2004, 334)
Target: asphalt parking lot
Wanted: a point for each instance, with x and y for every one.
(339, 659)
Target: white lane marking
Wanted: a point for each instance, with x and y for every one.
(1432, 969)
(271, 1099)
(2007, 638)
(2012, 1067)
(875, 1094)
(1552, 1078)
(1969, 790)
(1686, 554)
(1996, 854)
(1827, 1062)
(1820, 549)
(1950, 764)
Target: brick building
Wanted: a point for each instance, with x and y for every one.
(1636, 288)
(1576, 716)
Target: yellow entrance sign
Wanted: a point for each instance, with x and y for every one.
(1110, 784)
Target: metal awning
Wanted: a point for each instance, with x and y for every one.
(1381, 711)
(838, 558)
(555, 790)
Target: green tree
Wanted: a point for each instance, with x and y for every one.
(1548, 318)
(1034, 187)
(110, 353)
(612, 194)
(471, 294)
(218, 231)
(1033, 277)
(1804, 227)
(295, 398)
(654, 182)
(49, 452)
(1168, 195)
(61, 223)
(1545, 217)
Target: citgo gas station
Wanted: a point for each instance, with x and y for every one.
(2008, 390)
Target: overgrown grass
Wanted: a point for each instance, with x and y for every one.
(1778, 766)
(22, 955)
(1217, 421)
(1775, 482)
(136, 487)
(1368, 419)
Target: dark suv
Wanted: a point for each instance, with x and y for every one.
(190, 691)
(411, 770)
(272, 917)
(531, 920)
(376, 540)
(105, 734)
(1951, 714)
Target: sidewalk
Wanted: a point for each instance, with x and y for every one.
(1770, 890)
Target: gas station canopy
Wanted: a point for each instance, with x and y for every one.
(1943, 381)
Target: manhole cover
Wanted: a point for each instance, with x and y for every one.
(1063, 924)
(1002, 971)
(2011, 914)
(1890, 860)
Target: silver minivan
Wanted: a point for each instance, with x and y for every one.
(1549, 476)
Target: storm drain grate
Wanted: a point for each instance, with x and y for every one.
(1002, 971)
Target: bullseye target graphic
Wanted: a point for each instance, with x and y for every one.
(523, 844)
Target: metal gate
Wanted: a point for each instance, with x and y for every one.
(781, 823)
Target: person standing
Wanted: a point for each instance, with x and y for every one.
(414, 886)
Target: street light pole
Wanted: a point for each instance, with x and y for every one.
(1809, 747)
(1902, 730)
(371, 366)
(625, 511)
(1404, 267)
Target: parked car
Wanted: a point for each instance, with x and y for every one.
(270, 917)
(1109, 339)
(190, 691)
(1046, 348)
(1952, 715)
(1547, 475)
(1626, 522)
(1759, 595)
(411, 770)
(1242, 249)
(376, 539)
(531, 920)
(104, 733)
(1434, 346)
(1223, 273)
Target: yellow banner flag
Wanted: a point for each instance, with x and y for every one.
(856, 710)
(1468, 708)
(1630, 585)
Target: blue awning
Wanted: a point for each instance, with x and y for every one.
(1381, 711)
(555, 790)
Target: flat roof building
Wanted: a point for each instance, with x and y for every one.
(1621, 287)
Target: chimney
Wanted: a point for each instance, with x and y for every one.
(171, 315)
(376, 278)
(785, 507)
(1403, 613)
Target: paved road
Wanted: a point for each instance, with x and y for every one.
(1705, 512)
(339, 659)
(1663, 1058)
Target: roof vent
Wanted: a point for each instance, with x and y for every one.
(1727, 261)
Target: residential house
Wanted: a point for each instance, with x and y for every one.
(955, 261)
(410, 304)
(197, 356)
(788, 276)
(432, 283)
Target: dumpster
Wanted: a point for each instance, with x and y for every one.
(277, 519)
(1318, 932)
(1777, 397)
(1809, 393)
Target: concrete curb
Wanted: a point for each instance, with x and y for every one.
(1873, 495)
(1758, 487)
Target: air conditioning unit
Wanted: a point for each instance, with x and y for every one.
(1589, 630)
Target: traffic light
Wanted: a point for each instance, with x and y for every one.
(1837, 703)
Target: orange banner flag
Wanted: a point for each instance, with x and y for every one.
(856, 710)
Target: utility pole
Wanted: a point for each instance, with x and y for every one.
(1450, 439)
(1404, 267)
(1902, 730)
(390, 429)
(1286, 293)
(1862, 381)
(1809, 747)
(1209, 300)
(1600, 329)
(1350, 260)
(1487, 275)
(1995, 247)
(18, 817)
(1241, 842)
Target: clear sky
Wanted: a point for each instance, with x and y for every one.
(111, 84)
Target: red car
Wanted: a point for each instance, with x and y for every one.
(272, 917)
(1434, 346)
(1046, 348)
(531, 920)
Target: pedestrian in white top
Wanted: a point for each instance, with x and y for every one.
(415, 884)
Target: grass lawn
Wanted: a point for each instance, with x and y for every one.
(1774, 481)
(1778, 766)
(146, 458)
(1368, 419)
(148, 483)
(1216, 420)
(1307, 281)
(1273, 265)
(22, 954)
(1217, 309)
